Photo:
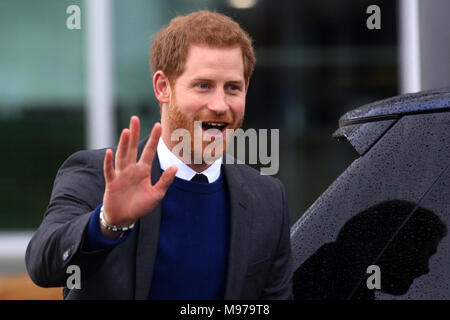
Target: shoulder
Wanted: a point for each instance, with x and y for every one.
(81, 173)
(255, 179)
(87, 158)
(94, 158)
(263, 189)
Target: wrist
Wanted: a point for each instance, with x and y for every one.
(111, 227)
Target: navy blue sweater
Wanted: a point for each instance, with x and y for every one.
(192, 256)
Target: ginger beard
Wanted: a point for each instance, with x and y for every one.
(181, 120)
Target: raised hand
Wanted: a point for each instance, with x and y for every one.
(129, 193)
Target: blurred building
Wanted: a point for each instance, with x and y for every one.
(63, 90)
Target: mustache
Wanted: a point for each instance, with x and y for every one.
(228, 118)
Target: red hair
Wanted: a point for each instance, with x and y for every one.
(171, 44)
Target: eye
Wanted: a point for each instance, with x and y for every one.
(234, 87)
(203, 85)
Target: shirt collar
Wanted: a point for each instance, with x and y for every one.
(167, 159)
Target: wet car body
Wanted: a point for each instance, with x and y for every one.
(380, 230)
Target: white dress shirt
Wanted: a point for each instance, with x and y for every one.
(168, 159)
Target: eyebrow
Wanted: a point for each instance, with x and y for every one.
(236, 82)
(240, 82)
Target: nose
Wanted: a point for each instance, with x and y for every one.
(218, 104)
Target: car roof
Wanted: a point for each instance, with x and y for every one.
(435, 100)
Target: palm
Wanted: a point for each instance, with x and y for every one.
(129, 194)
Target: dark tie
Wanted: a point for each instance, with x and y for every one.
(199, 177)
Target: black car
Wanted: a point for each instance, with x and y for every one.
(381, 229)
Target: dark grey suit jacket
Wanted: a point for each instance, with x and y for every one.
(259, 264)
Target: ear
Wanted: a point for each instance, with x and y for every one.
(161, 87)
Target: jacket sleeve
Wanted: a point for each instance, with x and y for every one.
(57, 243)
(279, 283)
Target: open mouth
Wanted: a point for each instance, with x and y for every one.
(206, 125)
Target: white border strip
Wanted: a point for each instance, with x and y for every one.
(100, 113)
(410, 66)
(14, 244)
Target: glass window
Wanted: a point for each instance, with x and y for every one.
(41, 105)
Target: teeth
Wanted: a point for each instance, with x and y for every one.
(215, 124)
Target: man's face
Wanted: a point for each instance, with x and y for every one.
(212, 90)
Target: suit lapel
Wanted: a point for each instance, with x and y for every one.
(148, 235)
(240, 211)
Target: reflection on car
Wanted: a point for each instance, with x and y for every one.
(397, 236)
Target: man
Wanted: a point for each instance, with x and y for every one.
(138, 227)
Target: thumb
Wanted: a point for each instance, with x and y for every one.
(165, 181)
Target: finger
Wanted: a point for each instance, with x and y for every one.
(135, 128)
(122, 148)
(150, 147)
(165, 181)
(108, 168)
